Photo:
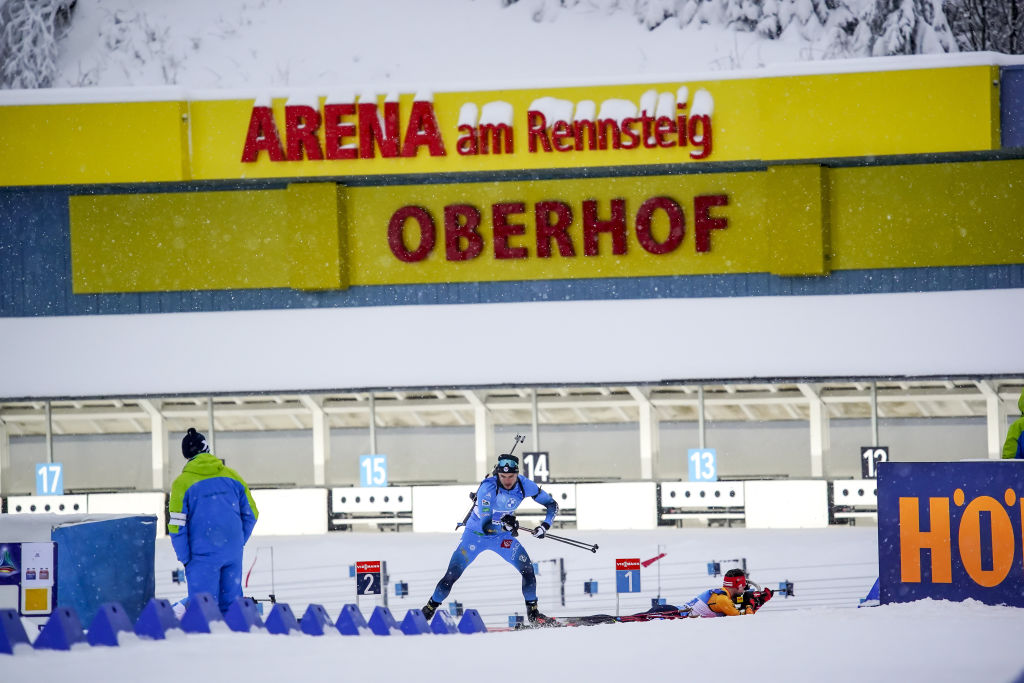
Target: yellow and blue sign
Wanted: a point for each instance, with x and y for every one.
(951, 531)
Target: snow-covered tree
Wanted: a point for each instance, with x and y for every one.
(996, 25)
(904, 27)
(768, 25)
(653, 13)
(743, 15)
(29, 31)
(807, 17)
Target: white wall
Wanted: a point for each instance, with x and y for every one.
(913, 334)
(288, 512)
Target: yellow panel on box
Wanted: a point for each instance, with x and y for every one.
(109, 142)
(966, 214)
(877, 113)
(36, 600)
(207, 240)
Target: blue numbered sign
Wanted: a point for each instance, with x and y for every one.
(627, 575)
(703, 466)
(50, 479)
(373, 470)
(368, 578)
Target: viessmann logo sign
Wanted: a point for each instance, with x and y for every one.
(951, 531)
(395, 127)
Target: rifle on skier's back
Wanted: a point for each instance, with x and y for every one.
(518, 440)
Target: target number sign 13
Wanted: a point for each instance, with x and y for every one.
(703, 464)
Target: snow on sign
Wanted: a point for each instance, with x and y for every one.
(627, 575)
(368, 578)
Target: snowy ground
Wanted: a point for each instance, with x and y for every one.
(241, 43)
(817, 634)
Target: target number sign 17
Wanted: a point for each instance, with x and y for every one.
(50, 479)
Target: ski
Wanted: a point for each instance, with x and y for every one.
(596, 619)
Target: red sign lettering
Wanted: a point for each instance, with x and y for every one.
(659, 228)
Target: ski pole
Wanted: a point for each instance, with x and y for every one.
(592, 547)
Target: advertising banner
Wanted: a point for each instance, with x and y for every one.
(951, 531)
(327, 132)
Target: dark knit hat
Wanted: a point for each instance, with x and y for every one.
(194, 443)
(507, 463)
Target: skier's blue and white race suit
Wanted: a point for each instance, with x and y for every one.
(484, 532)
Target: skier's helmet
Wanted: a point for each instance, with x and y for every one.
(735, 579)
(508, 463)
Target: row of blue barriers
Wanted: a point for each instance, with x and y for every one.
(64, 629)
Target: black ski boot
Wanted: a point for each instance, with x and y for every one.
(429, 609)
(535, 617)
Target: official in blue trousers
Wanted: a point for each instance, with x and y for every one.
(212, 516)
(492, 525)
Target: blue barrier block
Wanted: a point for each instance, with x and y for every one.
(350, 621)
(156, 619)
(471, 622)
(95, 560)
(201, 611)
(281, 620)
(62, 630)
(382, 622)
(12, 631)
(414, 623)
(315, 621)
(243, 615)
(443, 623)
(110, 619)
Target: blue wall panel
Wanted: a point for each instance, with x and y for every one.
(1011, 106)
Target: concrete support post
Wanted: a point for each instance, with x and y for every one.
(535, 419)
(483, 425)
(995, 419)
(321, 438)
(5, 459)
(701, 418)
(820, 437)
(159, 444)
(211, 430)
(650, 442)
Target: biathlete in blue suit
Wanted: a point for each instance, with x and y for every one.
(492, 525)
